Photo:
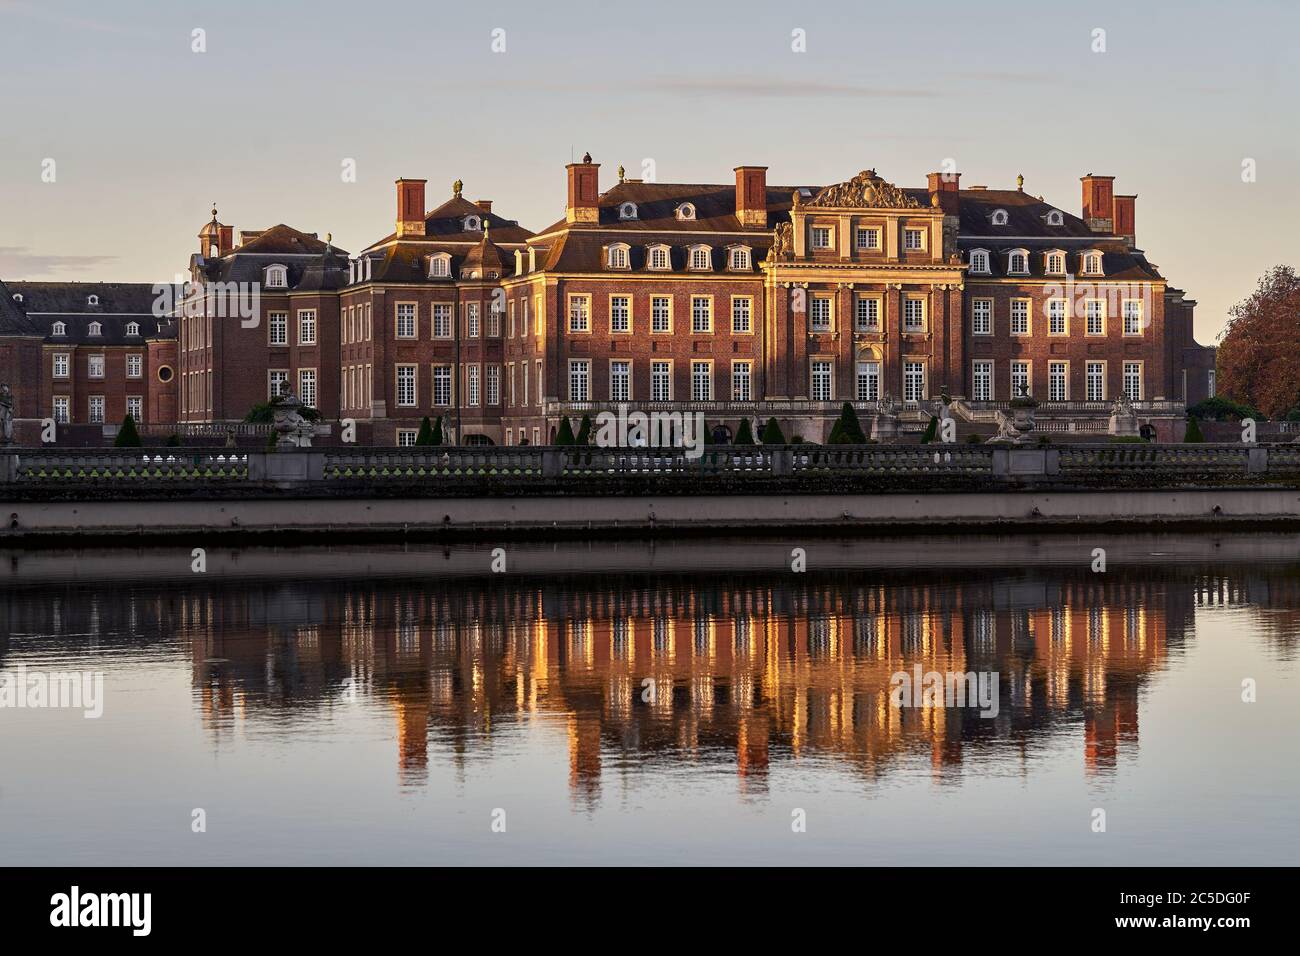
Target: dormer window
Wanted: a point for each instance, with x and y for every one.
(1000, 217)
(60, 328)
(659, 258)
(277, 277)
(133, 328)
(95, 329)
(439, 266)
(1018, 262)
(1055, 263)
(701, 258)
(472, 224)
(1092, 263)
(617, 256)
(1055, 218)
(627, 210)
(686, 212)
(738, 259)
(979, 261)
(92, 300)
(18, 297)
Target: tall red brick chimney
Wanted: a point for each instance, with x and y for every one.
(1125, 215)
(410, 207)
(1099, 202)
(947, 186)
(226, 239)
(584, 191)
(751, 195)
(484, 204)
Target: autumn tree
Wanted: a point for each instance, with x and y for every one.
(1259, 355)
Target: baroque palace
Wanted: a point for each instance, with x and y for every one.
(738, 300)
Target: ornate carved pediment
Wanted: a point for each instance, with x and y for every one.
(782, 243)
(866, 190)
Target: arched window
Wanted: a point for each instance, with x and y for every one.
(133, 328)
(999, 217)
(92, 300)
(979, 261)
(701, 258)
(18, 297)
(738, 259)
(1018, 262)
(618, 256)
(686, 211)
(473, 224)
(659, 258)
(277, 277)
(1092, 263)
(1054, 218)
(439, 266)
(60, 328)
(95, 329)
(1055, 263)
(627, 210)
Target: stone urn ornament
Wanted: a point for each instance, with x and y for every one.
(1022, 414)
(291, 428)
(6, 415)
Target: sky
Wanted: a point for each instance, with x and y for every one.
(145, 132)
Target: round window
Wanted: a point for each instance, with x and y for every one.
(164, 373)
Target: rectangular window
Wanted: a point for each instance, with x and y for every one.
(866, 314)
(913, 381)
(1019, 378)
(579, 380)
(307, 327)
(493, 384)
(982, 380)
(742, 388)
(1133, 381)
(539, 315)
(661, 381)
(278, 324)
(620, 313)
(307, 386)
(620, 381)
(868, 239)
(821, 237)
(701, 381)
(442, 321)
(868, 385)
(1056, 324)
(524, 393)
(821, 381)
(471, 320)
(741, 322)
(538, 368)
(819, 314)
(1019, 316)
(579, 313)
(96, 410)
(406, 320)
(406, 386)
(661, 314)
(135, 407)
(1095, 381)
(1094, 311)
(701, 314)
(406, 437)
(277, 382)
(95, 366)
(1132, 316)
(913, 239)
(61, 365)
(442, 385)
(981, 316)
(1058, 382)
(61, 409)
(913, 315)
(512, 325)
(471, 385)
(134, 366)
(494, 320)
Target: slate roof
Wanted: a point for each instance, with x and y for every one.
(715, 207)
(130, 298)
(447, 224)
(301, 253)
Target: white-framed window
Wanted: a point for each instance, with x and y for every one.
(661, 381)
(277, 277)
(441, 320)
(701, 258)
(742, 381)
(981, 316)
(660, 258)
(472, 224)
(1132, 316)
(913, 239)
(92, 300)
(999, 217)
(579, 313)
(277, 383)
(405, 320)
(472, 327)
(913, 315)
(1055, 263)
(1094, 378)
(1019, 377)
(618, 256)
(95, 366)
(1019, 316)
(821, 237)
(1094, 312)
(1055, 218)
(494, 318)
(135, 366)
(1018, 262)
(866, 314)
(620, 380)
(62, 364)
(307, 386)
(96, 328)
(439, 266)
(96, 410)
(620, 313)
(406, 437)
(133, 328)
(1133, 381)
(442, 385)
(472, 385)
(1092, 263)
(61, 405)
(135, 407)
(60, 328)
(1209, 383)
(406, 386)
(685, 211)
(1056, 317)
(913, 381)
(1058, 381)
(979, 261)
(738, 259)
(661, 313)
(822, 385)
(819, 314)
(867, 239)
(306, 328)
(701, 314)
(579, 380)
(277, 324)
(741, 315)
(702, 381)
(868, 381)
(982, 380)
(627, 210)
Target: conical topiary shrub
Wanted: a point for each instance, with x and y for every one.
(1193, 434)
(127, 436)
(584, 431)
(744, 434)
(772, 434)
(564, 436)
(850, 427)
(425, 438)
(930, 430)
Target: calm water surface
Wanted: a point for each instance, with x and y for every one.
(380, 705)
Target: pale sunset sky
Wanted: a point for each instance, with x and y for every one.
(146, 134)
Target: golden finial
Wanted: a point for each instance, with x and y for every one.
(214, 212)
(620, 172)
(329, 237)
(456, 187)
(1020, 183)
(934, 200)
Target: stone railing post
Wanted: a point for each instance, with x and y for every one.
(782, 462)
(1256, 461)
(552, 463)
(8, 467)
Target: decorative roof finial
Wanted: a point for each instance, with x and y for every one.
(329, 238)
(586, 157)
(1020, 183)
(620, 172)
(214, 212)
(456, 187)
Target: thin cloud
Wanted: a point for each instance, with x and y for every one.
(17, 263)
(756, 87)
(77, 23)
